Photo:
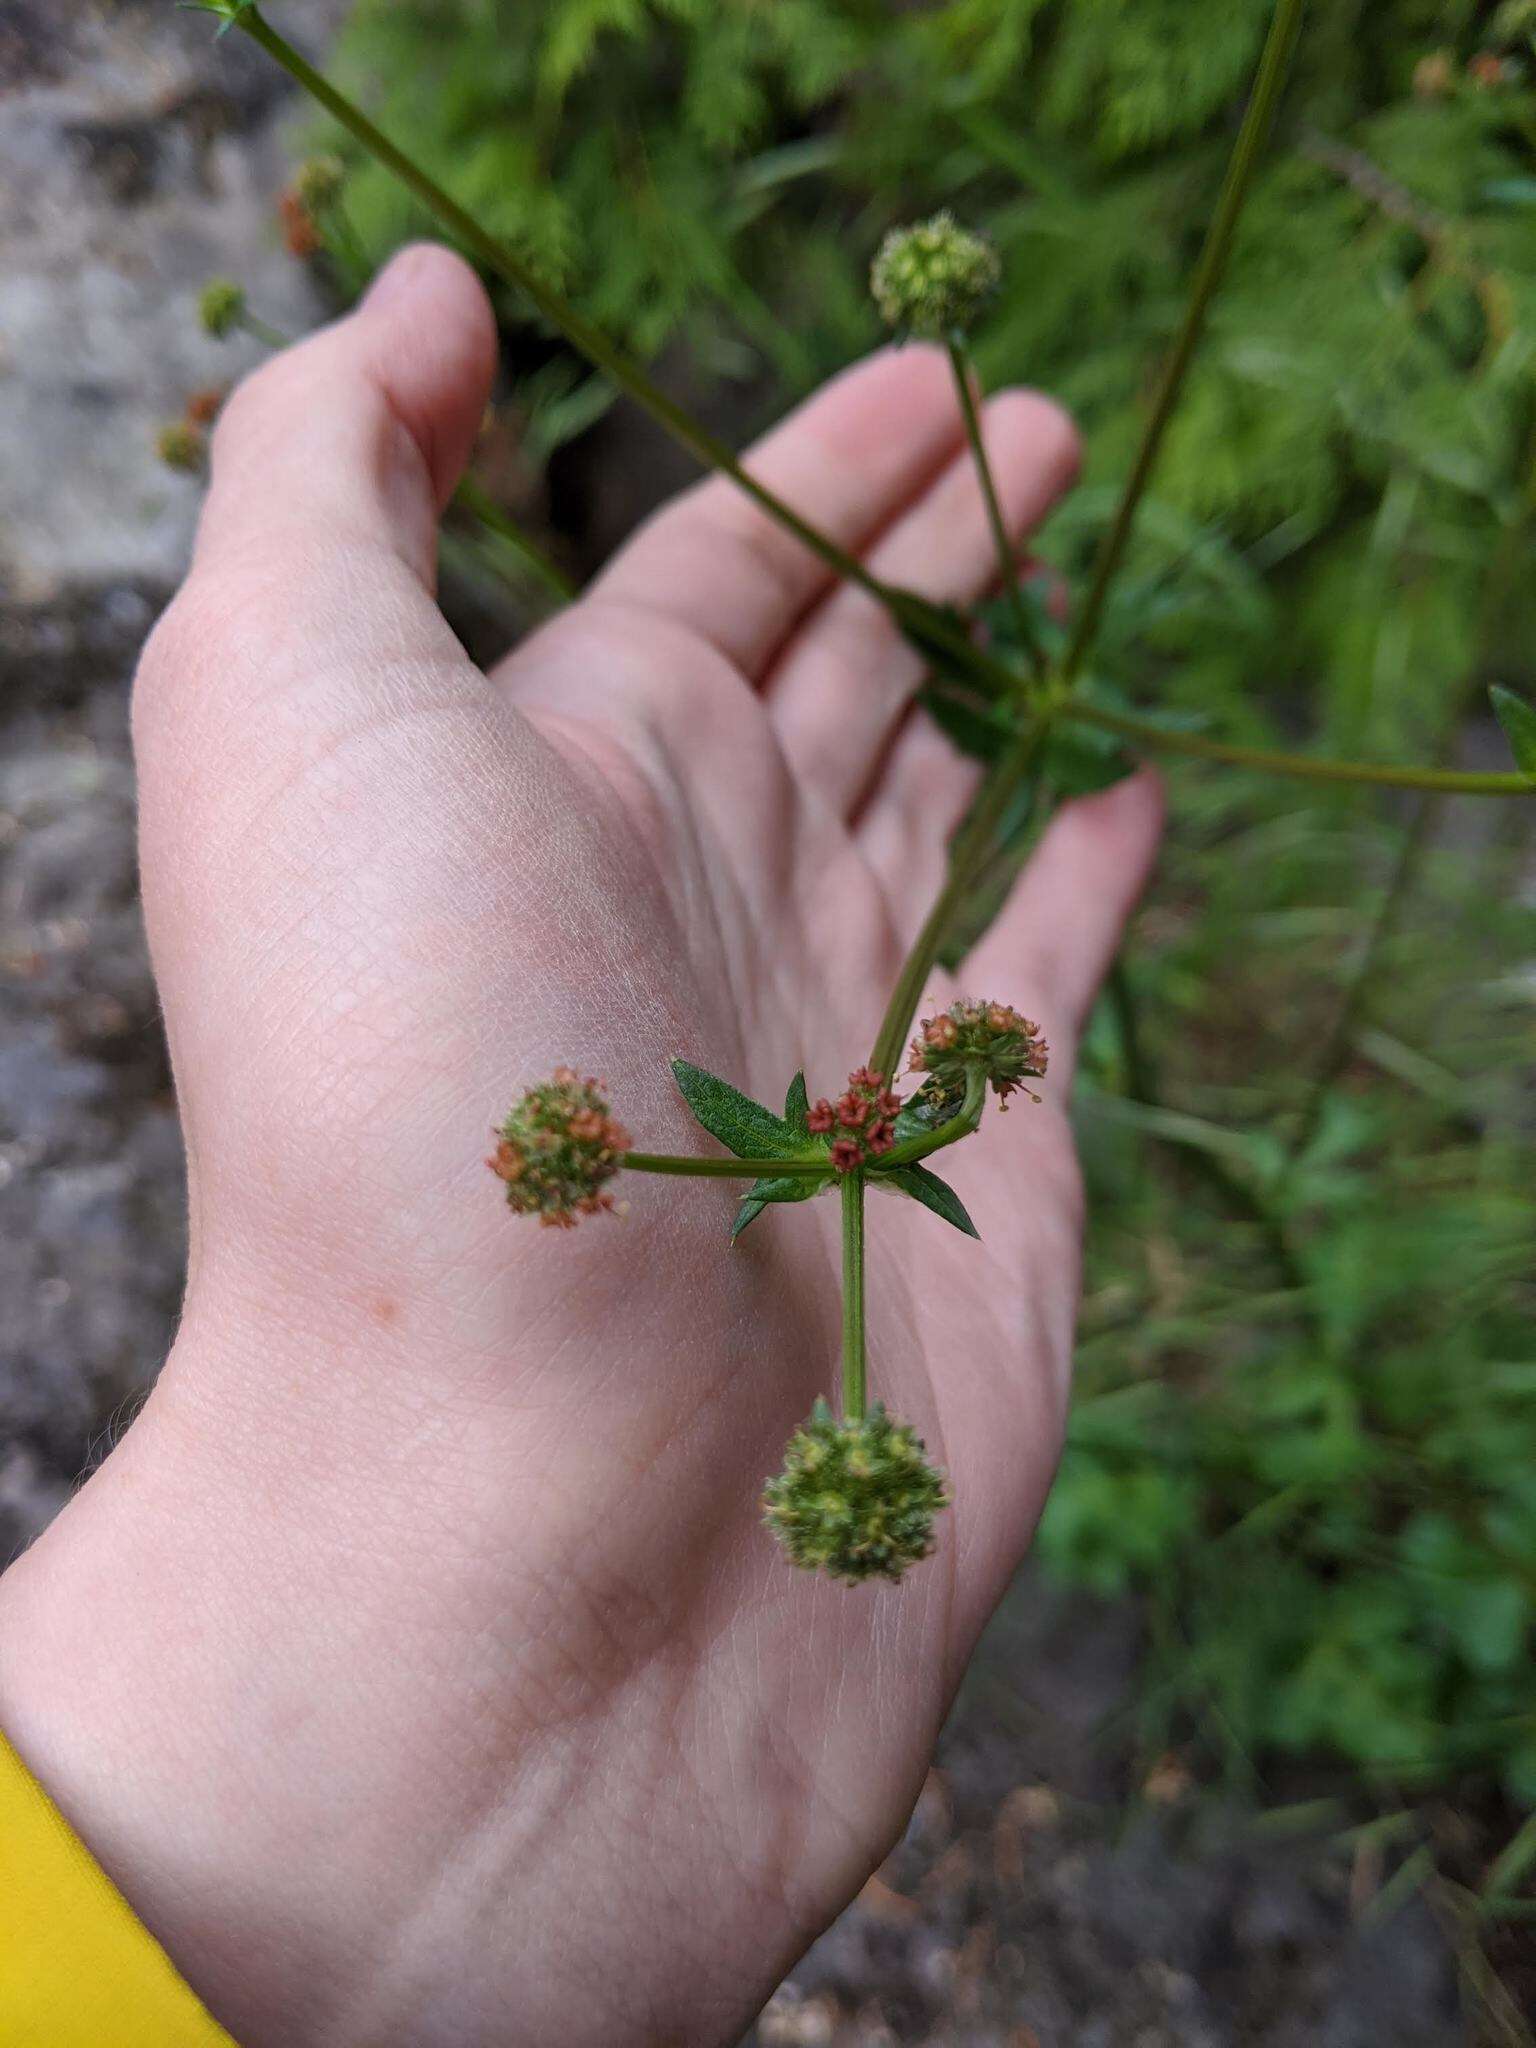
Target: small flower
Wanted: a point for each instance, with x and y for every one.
(1489, 70)
(180, 445)
(993, 1036)
(317, 183)
(856, 1500)
(203, 405)
(934, 278)
(1434, 75)
(301, 235)
(866, 1109)
(556, 1149)
(221, 306)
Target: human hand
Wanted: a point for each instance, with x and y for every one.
(419, 1665)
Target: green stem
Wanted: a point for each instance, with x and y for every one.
(262, 331)
(724, 1169)
(1007, 563)
(961, 1125)
(973, 846)
(478, 502)
(578, 330)
(855, 1367)
(1284, 27)
(1304, 767)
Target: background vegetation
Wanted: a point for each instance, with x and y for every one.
(1306, 1429)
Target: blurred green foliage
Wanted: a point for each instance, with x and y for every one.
(1307, 1427)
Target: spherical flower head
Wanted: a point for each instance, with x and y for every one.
(221, 306)
(318, 181)
(180, 445)
(556, 1150)
(861, 1123)
(934, 278)
(992, 1036)
(855, 1500)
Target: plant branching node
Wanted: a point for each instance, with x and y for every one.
(556, 1150)
(860, 1124)
(933, 279)
(855, 1500)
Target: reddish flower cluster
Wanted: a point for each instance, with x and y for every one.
(862, 1118)
(556, 1148)
(993, 1036)
(301, 233)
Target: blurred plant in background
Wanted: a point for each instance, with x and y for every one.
(1307, 1419)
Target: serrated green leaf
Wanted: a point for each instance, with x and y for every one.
(942, 636)
(742, 1125)
(798, 1187)
(1519, 723)
(797, 1106)
(976, 728)
(1080, 760)
(934, 1194)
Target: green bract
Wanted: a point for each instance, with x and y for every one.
(855, 1500)
(934, 278)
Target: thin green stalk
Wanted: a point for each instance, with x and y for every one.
(960, 1125)
(973, 845)
(959, 362)
(1304, 767)
(724, 1169)
(478, 502)
(1284, 27)
(262, 330)
(591, 341)
(855, 1363)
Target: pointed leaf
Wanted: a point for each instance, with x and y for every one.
(942, 636)
(797, 1107)
(742, 1125)
(934, 1194)
(1519, 723)
(798, 1187)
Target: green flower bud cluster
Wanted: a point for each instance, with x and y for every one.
(934, 278)
(557, 1148)
(993, 1036)
(318, 181)
(179, 445)
(856, 1500)
(221, 307)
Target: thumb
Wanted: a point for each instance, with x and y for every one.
(357, 436)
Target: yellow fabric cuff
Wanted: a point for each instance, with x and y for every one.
(76, 1969)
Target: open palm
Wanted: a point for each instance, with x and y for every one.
(502, 1719)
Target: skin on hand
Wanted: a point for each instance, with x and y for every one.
(419, 1665)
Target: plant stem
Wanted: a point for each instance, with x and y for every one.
(960, 1125)
(591, 341)
(1304, 767)
(480, 505)
(1284, 27)
(855, 1368)
(731, 1168)
(959, 362)
(973, 845)
(262, 330)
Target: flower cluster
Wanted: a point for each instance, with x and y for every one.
(934, 278)
(856, 1500)
(992, 1036)
(862, 1117)
(221, 307)
(557, 1148)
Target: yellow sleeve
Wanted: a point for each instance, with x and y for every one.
(76, 1969)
